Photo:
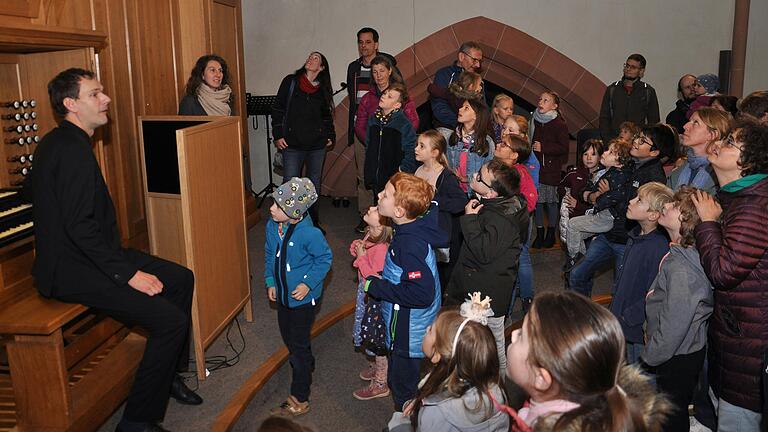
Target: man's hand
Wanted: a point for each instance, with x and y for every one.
(536, 146)
(708, 209)
(281, 144)
(300, 292)
(147, 283)
(329, 145)
(272, 294)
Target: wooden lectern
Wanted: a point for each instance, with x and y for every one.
(193, 188)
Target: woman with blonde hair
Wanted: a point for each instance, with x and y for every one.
(706, 126)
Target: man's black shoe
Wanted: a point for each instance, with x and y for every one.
(183, 394)
(128, 426)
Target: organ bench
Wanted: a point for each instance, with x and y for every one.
(70, 367)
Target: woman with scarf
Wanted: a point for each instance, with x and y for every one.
(302, 121)
(706, 126)
(208, 92)
(550, 144)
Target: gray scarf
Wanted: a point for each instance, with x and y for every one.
(542, 118)
(215, 102)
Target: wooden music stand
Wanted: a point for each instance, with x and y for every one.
(193, 186)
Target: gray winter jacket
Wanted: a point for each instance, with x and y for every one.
(443, 413)
(677, 308)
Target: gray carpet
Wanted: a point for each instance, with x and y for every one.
(333, 407)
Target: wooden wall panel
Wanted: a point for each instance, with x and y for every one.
(225, 42)
(66, 13)
(153, 56)
(122, 156)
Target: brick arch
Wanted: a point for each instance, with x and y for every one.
(514, 60)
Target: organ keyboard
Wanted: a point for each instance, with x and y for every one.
(15, 217)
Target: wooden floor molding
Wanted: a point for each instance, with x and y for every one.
(237, 405)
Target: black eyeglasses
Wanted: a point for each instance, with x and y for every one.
(478, 60)
(480, 180)
(731, 142)
(642, 139)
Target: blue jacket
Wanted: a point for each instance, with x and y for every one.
(442, 113)
(389, 148)
(409, 286)
(639, 268)
(302, 255)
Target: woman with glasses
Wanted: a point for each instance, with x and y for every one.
(706, 126)
(733, 243)
(302, 121)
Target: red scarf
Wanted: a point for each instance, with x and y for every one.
(306, 86)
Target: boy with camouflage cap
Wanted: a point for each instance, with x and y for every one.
(297, 259)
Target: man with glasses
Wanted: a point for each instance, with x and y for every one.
(628, 99)
(470, 58)
(686, 94)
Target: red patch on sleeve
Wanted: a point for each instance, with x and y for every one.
(414, 275)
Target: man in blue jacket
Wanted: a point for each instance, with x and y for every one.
(470, 57)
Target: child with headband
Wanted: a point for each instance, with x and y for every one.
(459, 392)
(569, 357)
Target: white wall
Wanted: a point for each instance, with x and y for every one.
(598, 34)
(756, 67)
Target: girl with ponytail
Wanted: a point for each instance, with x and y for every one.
(569, 357)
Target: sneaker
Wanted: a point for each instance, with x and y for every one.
(372, 391)
(360, 228)
(290, 408)
(368, 373)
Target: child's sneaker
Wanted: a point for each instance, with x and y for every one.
(372, 391)
(290, 408)
(369, 373)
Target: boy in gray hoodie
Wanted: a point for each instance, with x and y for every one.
(677, 308)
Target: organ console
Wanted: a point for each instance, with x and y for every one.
(15, 217)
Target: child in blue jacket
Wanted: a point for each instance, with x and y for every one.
(409, 286)
(297, 260)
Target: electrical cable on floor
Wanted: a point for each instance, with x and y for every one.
(218, 362)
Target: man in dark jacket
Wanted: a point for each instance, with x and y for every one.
(79, 258)
(628, 99)
(358, 83)
(686, 93)
(469, 57)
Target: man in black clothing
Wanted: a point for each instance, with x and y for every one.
(359, 81)
(628, 99)
(686, 93)
(79, 258)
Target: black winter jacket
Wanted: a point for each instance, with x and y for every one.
(488, 260)
(306, 122)
(640, 107)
